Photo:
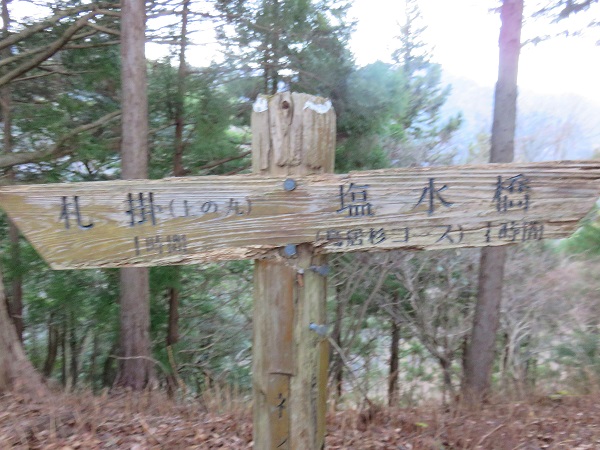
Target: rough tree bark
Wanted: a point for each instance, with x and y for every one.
(52, 349)
(94, 361)
(16, 372)
(481, 350)
(178, 168)
(135, 363)
(336, 335)
(16, 297)
(394, 357)
(63, 354)
(178, 171)
(15, 303)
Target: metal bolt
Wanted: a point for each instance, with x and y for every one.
(321, 270)
(289, 250)
(289, 184)
(321, 330)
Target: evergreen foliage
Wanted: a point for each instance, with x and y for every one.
(208, 134)
(586, 240)
(374, 97)
(419, 135)
(388, 115)
(282, 42)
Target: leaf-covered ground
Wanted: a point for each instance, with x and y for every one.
(151, 422)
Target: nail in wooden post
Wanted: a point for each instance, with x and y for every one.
(292, 135)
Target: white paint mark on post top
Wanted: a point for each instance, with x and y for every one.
(260, 105)
(318, 108)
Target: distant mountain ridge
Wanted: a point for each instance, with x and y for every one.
(549, 126)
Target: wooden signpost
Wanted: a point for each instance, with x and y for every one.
(288, 216)
(192, 220)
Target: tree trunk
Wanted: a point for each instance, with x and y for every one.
(271, 47)
(53, 341)
(178, 169)
(135, 363)
(481, 351)
(74, 349)
(108, 370)
(446, 364)
(336, 335)
(93, 361)
(16, 371)
(173, 325)
(506, 361)
(16, 297)
(394, 362)
(63, 348)
(339, 378)
(15, 304)
(173, 335)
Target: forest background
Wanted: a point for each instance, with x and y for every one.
(400, 321)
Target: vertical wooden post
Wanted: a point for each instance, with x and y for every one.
(292, 135)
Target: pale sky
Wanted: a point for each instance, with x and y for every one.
(464, 35)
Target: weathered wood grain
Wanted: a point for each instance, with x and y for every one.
(211, 218)
(289, 364)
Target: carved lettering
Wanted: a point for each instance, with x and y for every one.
(236, 208)
(141, 208)
(157, 245)
(452, 234)
(376, 236)
(515, 231)
(354, 200)
(354, 237)
(512, 193)
(431, 196)
(404, 232)
(71, 209)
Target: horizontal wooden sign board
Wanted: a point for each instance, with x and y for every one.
(199, 219)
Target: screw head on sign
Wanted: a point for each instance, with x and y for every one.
(321, 330)
(321, 270)
(289, 184)
(289, 250)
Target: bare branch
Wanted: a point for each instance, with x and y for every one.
(48, 72)
(30, 31)
(18, 56)
(39, 75)
(90, 45)
(56, 150)
(50, 50)
(223, 161)
(238, 170)
(33, 51)
(108, 12)
(104, 29)
(84, 34)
